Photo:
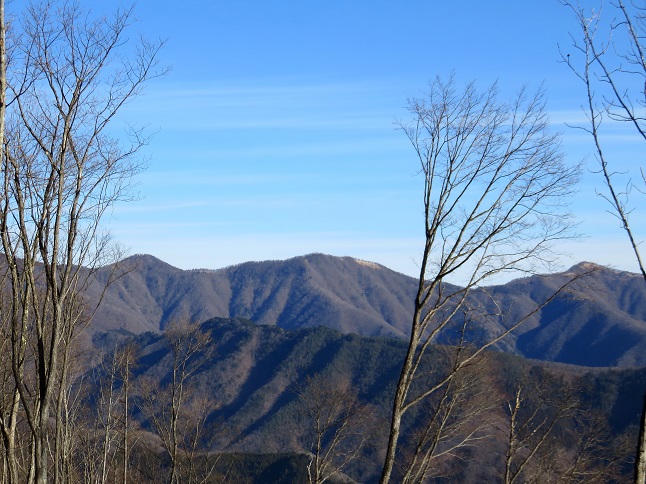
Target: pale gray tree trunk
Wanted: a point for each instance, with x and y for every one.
(640, 461)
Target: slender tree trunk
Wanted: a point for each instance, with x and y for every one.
(640, 461)
(405, 377)
(398, 406)
(9, 440)
(126, 382)
(62, 436)
(31, 476)
(176, 404)
(106, 438)
(44, 403)
(40, 458)
(3, 77)
(8, 433)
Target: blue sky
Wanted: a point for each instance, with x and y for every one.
(276, 133)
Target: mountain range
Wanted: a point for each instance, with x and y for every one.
(598, 321)
(280, 330)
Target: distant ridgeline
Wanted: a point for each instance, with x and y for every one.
(598, 321)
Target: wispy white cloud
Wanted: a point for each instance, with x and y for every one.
(384, 142)
(574, 126)
(272, 88)
(269, 106)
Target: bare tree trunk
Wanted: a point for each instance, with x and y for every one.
(8, 428)
(108, 426)
(8, 425)
(398, 403)
(3, 77)
(640, 461)
(126, 389)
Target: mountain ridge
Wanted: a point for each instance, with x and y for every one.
(600, 320)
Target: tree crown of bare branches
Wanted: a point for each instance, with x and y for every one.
(495, 199)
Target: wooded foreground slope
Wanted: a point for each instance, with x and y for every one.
(254, 379)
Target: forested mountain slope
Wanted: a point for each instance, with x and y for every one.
(598, 321)
(313, 290)
(253, 381)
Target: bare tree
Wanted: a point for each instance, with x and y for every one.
(68, 76)
(107, 423)
(542, 412)
(494, 189)
(177, 415)
(609, 57)
(456, 417)
(530, 426)
(101, 421)
(10, 396)
(594, 457)
(612, 68)
(339, 425)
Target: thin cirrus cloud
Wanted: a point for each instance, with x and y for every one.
(190, 209)
(323, 107)
(277, 92)
(574, 123)
(386, 141)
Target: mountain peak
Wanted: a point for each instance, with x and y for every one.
(368, 263)
(146, 260)
(585, 266)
